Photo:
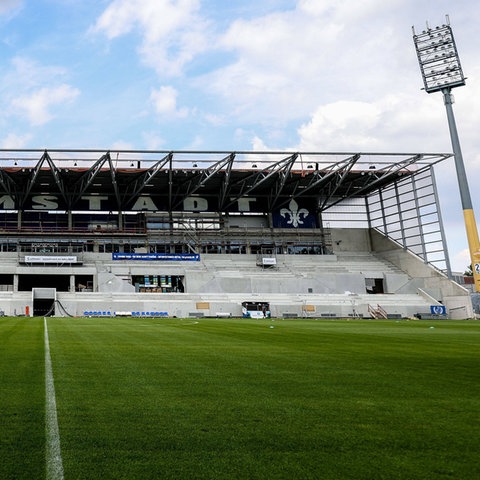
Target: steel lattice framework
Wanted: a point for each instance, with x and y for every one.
(46, 194)
(121, 178)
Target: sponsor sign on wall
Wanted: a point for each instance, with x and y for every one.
(166, 257)
(50, 259)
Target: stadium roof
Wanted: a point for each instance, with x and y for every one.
(275, 177)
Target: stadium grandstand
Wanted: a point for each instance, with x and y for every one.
(210, 233)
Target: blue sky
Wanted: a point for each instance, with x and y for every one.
(311, 75)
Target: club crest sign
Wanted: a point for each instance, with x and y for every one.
(295, 216)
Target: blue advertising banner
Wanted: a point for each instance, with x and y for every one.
(438, 309)
(168, 257)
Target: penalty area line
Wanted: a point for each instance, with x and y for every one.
(53, 454)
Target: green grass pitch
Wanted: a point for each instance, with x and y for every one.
(243, 399)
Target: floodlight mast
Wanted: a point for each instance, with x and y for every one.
(441, 71)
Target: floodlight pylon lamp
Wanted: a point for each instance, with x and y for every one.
(441, 71)
(438, 58)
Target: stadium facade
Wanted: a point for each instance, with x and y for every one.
(191, 234)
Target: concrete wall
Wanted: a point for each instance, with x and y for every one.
(16, 303)
(455, 297)
(181, 306)
(108, 282)
(350, 240)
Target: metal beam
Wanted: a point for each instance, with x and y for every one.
(341, 175)
(226, 181)
(201, 179)
(31, 181)
(253, 181)
(134, 188)
(318, 179)
(8, 184)
(57, 176)
(114, 181)
(82, 184)
(283, 174)
(170, 186)
(381, 176)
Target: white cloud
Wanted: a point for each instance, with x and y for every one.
(153, 141)
(289, 62)
(172, 31)
(165, 102)
(314, 7)
(347, 9)
(259, 145)
(391, 123)
(197, 143)
(38, 104)
(34, 92)
(9, 6)
(28, 73)
(344, 125)
(121, 145)
(216, 120)
(13, 141)
(462, 258)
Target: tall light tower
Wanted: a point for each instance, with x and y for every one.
(441, 71)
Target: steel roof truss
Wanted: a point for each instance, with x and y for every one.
(379, 178)
(136, 186)
(31, 181)
(87, 178)
(204, 176)
(283, 174)
(8, 185)
(114, 181)
(251, 182)
(56, 175)
(385, 173)
(226, 181)
(341, 175)
(36, 171)
(318, 180)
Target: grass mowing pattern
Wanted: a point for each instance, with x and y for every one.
(236, 399)
(22, 399)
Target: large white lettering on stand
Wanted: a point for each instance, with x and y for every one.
(108, 203)
(195, 204)
(44, 202)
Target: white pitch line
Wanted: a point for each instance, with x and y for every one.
(53, 452)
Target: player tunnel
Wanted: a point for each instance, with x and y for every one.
(43, 300)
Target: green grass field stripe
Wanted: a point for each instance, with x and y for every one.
(22, 399)
(53, 451)
(235, 399)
